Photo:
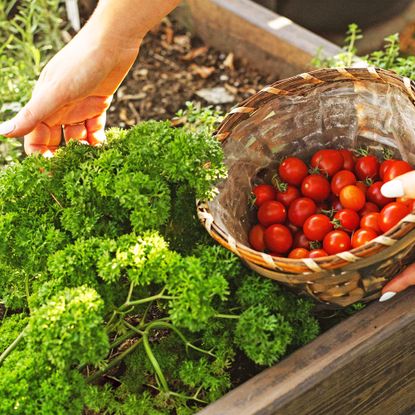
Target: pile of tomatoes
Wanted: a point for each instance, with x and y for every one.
(334, 206)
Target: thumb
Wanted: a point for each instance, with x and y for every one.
(36, 110)
(400, 186)
(400, 283)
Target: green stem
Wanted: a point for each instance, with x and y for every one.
(159, 296)
(12, 346)
(155, 363)
(130, 293)
(229, 316)
(26, 284)
(113, 363)
(179, 395)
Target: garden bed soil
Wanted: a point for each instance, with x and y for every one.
(174, 67)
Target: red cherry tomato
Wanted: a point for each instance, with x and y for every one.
(408, 202)
(263, 193)
(271, 212)
(317, 253)
(288, 196)
(298, 253)
(256, 238)
(301, 241)
(396, 169)
(367, 167)
(362, 187)
(348, 158)
(316, 227)
(336, 241)
(278, 239)
(362, 236)
(375, 196)
(383, 166)
(351, 197)
(293, 170)
(391, 214)
(300, 210)
(328, 161)
(370, 221)
(315, 187)
(367, 208)
(348, 219)
(341, 179)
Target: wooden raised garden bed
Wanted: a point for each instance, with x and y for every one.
(364, 365)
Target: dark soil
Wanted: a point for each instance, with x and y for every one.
(172, 66)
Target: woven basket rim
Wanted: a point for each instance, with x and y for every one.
(244, 110)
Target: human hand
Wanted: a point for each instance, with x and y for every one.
(75, 88)
(402, 186)
(73, 91)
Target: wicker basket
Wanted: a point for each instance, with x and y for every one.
(345, 107)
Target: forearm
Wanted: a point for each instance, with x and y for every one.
(126, 22)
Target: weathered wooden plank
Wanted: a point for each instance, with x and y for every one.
(267, 40)
(363, 366)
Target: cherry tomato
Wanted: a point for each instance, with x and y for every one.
(370, 221)
(301, 241)
(367, 208)
(336, 241)
(278, 239)
(263, 193)
(293, 170)
(396, 169)
(362, 187)
(256, 237)
(348, 158)
(328, 161)
(351, 197)
(341, 179)
(298, 253)
(317, 253)
(316, 227)
(362, 236)
(300, 210)
(315, 187)
(383, 166)
(348, 219)
(375, 196)
(289, 195)
(391, 214)
(271, 212)
(367, 167)
(408, 202)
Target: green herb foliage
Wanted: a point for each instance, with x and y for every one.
(117, 300)
(390, 57)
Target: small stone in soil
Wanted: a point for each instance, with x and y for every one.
(216, 95)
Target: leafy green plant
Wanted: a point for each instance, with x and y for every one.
(390, 57)
(117, 302)
(30, 32)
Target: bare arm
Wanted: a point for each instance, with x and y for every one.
(76, 86)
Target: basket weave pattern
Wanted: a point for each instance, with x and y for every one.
(344, 107)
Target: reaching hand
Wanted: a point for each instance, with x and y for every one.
(73, 91)
(75, 88)
(401, 186)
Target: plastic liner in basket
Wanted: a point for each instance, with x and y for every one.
(328, 108)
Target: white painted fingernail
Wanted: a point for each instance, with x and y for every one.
(387, 296)
(394, 188)
(7, 127)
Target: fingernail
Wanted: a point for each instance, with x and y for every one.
(7, 127)
(394, 188)
(387, 296)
